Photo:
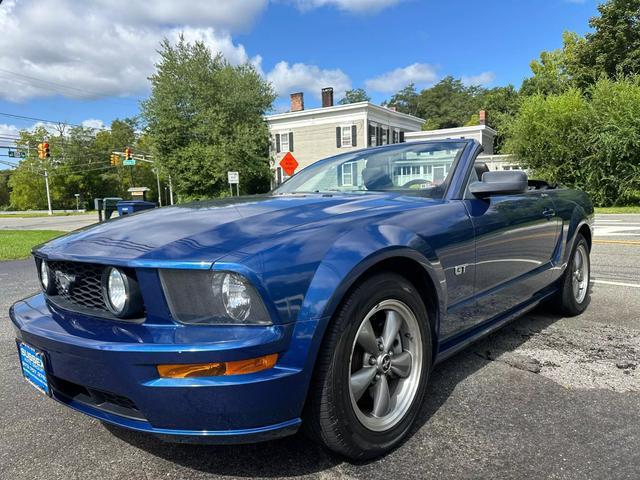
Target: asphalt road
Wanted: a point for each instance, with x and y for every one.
(546, 397)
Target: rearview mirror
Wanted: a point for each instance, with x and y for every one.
(507, 182)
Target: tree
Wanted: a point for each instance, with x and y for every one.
(355, 96)
(406, 100)
(79, 163)
(591, 141)
(4, 187)
(502, 105)
(612, 48)
(205, 117)
(550, 75)
(449, 103)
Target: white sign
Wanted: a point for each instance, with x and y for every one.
(234, 178)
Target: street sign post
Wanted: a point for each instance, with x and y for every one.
(234, 179)
(289, 164)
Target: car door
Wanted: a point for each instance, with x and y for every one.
(516, 236)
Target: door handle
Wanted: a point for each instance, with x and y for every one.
(549, 213)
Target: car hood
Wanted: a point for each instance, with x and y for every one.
(199, 233)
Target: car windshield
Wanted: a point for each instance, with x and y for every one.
(421, 169)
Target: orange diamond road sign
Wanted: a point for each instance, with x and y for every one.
(289, 164)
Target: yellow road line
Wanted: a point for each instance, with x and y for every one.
(619, 242)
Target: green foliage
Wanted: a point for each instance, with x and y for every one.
(205, 117)
(589, 141)
(449, 103)
(5, 191)
(612, 48)
(355, 96)
(550, 75)
(16, 244)
(405, 101)
(80, 164)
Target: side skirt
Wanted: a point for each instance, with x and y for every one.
(461, 341)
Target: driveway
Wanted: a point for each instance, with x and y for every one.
(63, 223)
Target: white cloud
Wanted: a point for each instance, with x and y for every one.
(483, 79)
(389, 82)
(93, 123)
(99, 48)
(8, 130)
(307, 78)
(354, 6)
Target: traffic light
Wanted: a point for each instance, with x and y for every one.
(41, 151)
(128, 153)
(45, 147)
(115, 159)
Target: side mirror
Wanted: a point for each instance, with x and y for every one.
(507, 182)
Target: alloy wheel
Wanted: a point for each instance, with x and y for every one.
(385, 365)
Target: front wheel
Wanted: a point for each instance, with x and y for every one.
(372, 369)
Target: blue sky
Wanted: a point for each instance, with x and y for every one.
(89, 61)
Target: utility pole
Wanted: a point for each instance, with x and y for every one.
(170, 190)
(46, 182)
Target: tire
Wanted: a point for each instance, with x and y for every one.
(375, 422)
(574, 292)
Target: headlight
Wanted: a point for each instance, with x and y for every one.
(204, 297)
(121, 293)
(46, 279)
(235, 296)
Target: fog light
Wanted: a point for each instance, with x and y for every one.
(238, 367)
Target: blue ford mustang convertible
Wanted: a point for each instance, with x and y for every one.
(325, 303)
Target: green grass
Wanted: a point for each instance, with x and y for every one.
(629, 209)
(35, 215)
(16, 244)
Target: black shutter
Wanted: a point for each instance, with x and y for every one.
(378, 136)
(369, 132)
(388, 138)
(291, 141)
(277, 143)
(354, 136)
(401, 137)
(338, 137)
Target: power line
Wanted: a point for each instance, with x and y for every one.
(92, 93)
(35, 119)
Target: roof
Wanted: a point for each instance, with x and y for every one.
(341, 109)
(453, 131)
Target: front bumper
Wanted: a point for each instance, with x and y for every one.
(108, 370)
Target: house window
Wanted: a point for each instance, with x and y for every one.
(373, 135)
(348, 174)
(385, 140)
(284, 142)
(396, 136)
(346, 136)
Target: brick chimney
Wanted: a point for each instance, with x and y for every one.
(482, 116)
(297, 102)
(327, 97)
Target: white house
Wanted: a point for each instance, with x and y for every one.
(317, 133)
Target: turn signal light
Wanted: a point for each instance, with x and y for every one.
(238, 367)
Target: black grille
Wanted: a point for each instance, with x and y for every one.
(79, 283)
(100, 399)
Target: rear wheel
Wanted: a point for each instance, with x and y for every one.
(372, 369)
(574, 294)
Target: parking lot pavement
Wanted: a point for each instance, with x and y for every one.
(63, 223)
(545, 397)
